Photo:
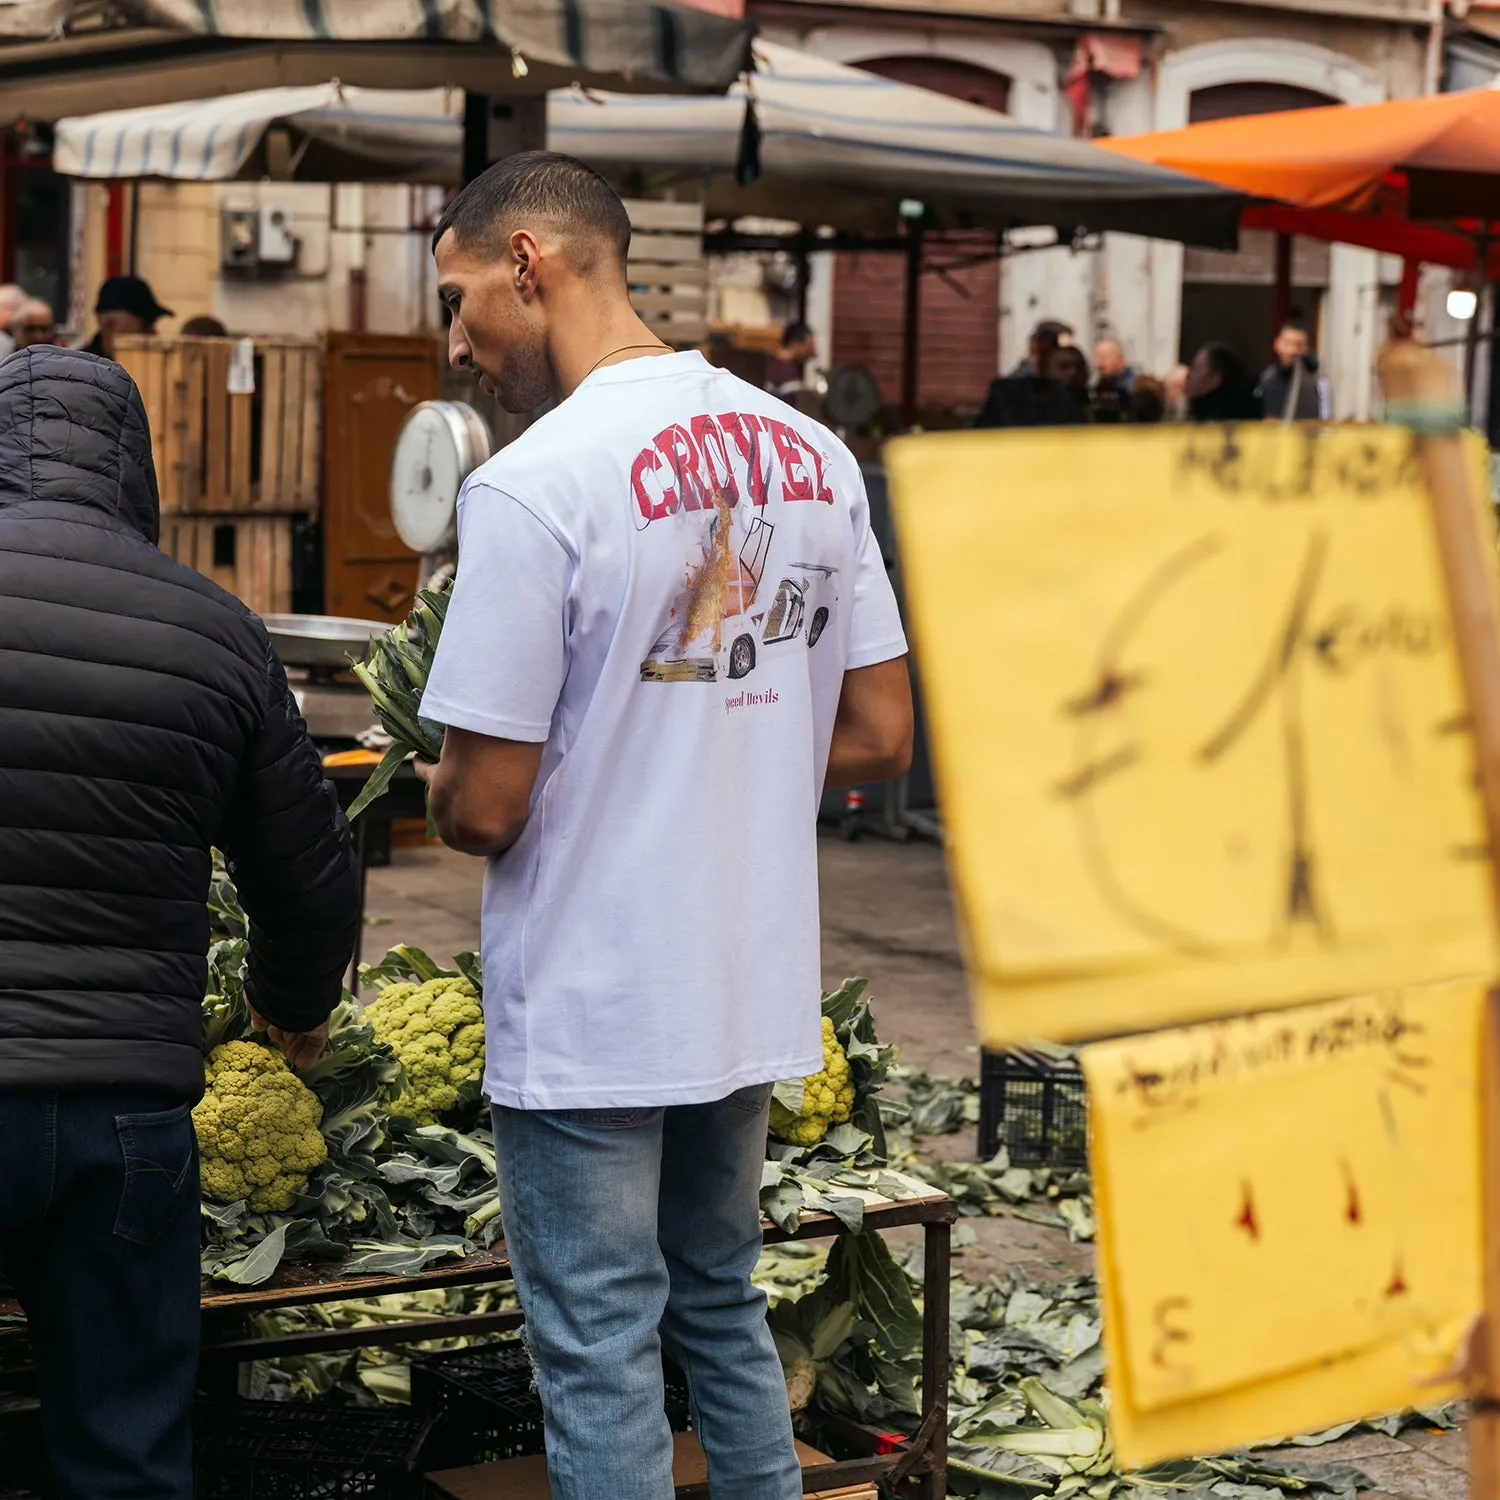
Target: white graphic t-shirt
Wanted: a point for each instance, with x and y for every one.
(664, 579)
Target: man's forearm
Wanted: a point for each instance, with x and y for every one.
(461, 827)
(872, 731)
(855, 763)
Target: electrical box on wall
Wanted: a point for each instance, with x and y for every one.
(258, 239)
(278, 245)
(517, 125)
(240, 239)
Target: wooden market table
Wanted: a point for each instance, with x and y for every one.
(922, 1460)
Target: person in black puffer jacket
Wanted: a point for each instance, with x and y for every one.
(144, 719)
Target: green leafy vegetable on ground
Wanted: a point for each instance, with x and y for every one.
(1059, 1197)
(1025, 1386)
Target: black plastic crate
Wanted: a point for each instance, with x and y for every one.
(487, 1407)
(1034, 1106)
(291, 1450)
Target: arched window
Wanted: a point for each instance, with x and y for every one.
(1231, 298)
(945, 75)
(1227, 101)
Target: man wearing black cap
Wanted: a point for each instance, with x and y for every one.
(126, 305)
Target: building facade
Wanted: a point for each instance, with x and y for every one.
(361, 262)
(1120, 67)
(1089, 67)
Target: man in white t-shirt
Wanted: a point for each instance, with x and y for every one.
(671, 626)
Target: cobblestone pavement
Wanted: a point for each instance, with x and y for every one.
(887, 916)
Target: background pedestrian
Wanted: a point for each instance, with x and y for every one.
(125, 305)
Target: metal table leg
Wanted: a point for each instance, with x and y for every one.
(937, 1259)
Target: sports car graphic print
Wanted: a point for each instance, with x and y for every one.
(736, 602)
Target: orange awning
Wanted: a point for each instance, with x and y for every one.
(1412, 177)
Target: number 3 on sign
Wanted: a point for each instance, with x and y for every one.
(1288, 1214)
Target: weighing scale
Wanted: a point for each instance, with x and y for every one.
(316, 651)
(440, 444)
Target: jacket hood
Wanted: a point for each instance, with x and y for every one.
(73, 431)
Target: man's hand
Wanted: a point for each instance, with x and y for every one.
(423, 770)
(300, 1048)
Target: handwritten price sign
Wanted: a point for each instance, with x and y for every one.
(1289, 1219)
(1197, 718)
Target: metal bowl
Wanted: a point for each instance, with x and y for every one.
(321, 640)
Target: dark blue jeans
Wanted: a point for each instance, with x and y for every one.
(99, 1236)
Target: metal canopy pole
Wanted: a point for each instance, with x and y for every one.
(1284, 244)
(476, 135)
(1476, 327)
(912, 329)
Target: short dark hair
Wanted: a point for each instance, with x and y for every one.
(1052, 330)
(1148, 400)
(548, 185)
(794, 332)
(1230, 367)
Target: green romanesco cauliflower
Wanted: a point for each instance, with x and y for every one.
(436, 1030)
(257, 1126)
(827, 1097)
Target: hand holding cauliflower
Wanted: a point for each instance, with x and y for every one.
(257, 1127)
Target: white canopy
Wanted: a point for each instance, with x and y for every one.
(337, 134)
(802, 138)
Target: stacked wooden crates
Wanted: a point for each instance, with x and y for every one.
(237, 458)
(667, 269)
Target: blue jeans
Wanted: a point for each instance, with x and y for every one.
(99, 1237)
(631, 1231)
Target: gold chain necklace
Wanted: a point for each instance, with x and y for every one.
(623, 349)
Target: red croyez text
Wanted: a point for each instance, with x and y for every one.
(732, 457)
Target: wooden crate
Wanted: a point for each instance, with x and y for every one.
(219, 452)
(249, 556)
(667, 270)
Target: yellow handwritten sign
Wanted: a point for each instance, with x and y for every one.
(1197, 719)
(1289, 1219)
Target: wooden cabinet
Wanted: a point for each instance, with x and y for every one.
(370, 384)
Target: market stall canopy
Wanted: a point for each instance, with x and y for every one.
(834, 144)
(1412, 177)
(801, 138)
(327, 134)
(130, 53)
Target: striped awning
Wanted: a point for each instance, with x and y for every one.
(801, 138)
(662, 42)
(336, 134)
